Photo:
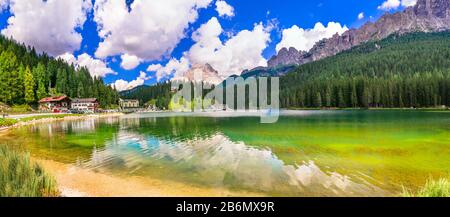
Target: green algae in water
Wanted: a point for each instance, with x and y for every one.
(306, 153)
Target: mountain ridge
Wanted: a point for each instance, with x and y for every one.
(425, 16)
(401, 71)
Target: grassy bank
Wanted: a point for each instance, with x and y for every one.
(59, 116)
(21, 178)
(433, 188)
(6, 122)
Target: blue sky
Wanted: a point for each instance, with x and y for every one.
(273, 16)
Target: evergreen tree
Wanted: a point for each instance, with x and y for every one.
(48, 77)
(29, 86)
(10, 85)
(328, 96)
(411, 70)
(341, 100)
(39, 74)
(318, 100)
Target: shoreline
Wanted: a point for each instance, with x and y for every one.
(367, 109)
(58, 117)
(73, 181)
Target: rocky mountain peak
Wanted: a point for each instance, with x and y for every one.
(207, 72)
(287, 56)
(432, 8)
(425, 16)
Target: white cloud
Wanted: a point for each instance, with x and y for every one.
(241, 51)
(175, 68)
(149, 31)
(304, 40)
(395, 4)
(69, 58)
(224, 9)
(408, 3)
(129, 62)
(389, 5)
(48, 26)
(361, 16)
(96, 67)
(122, 85)
(3, 4)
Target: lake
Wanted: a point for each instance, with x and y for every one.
(306, 153)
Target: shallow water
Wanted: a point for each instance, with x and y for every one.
(306, 153)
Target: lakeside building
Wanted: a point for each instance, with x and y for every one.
(56, 104)
(128, 103)
(61, 104)
(85, 105)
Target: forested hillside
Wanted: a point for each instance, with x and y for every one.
(158, 94)
(406, 71)
(26, 77)
(400, 71)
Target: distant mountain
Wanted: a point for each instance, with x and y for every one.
(207, 72)
(277, 71)
(400, 71)
(134, 90)
(425, 16)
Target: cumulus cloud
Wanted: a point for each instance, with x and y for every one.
(49, 26)
(3, 4)
(122, 85)
(304, 40)
(395, 4)
(361, 16)
(174, 68)
(408, 3)
(389, 5)
(148, 30)
(241, 51)
(96, 67)
(224, 9)
(129, 62)
(68, 58)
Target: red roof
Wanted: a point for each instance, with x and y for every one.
(53, 99)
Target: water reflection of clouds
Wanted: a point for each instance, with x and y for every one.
(217, 161)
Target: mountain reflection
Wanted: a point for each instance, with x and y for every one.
(305, 154)
(217, 161)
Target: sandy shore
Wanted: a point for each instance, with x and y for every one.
(77, 182)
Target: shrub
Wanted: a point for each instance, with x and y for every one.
(21, 178)
(21, 108)
(59, 116)
(432, 188)
(5, 122)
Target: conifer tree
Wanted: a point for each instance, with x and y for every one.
(29, 86)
